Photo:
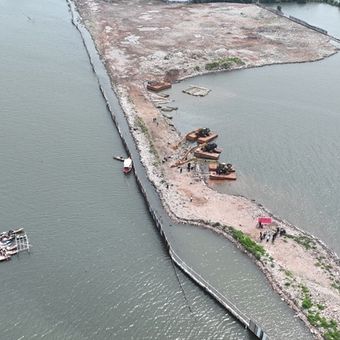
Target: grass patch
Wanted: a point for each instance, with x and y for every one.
(223, 63)
(250, 245)
(307, 303)
(304, 241)
(330, 326)
(336, 285)
(139, 124)
(288, 273)
(304, 289)
(332, 335)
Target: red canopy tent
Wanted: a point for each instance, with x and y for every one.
(265, 220)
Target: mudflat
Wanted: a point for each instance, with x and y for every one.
(153, 41)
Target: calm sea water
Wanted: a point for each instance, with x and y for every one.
(279, 126)
(317, 14)
(98, 268)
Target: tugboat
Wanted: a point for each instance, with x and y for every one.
(127, 167)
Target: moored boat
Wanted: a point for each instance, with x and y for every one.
(229, 176)
(208, 138)
(158, 85)
(6, 240)
(11, 248)
(192, 135)
(201, 135)
(12, 252)
(4, 258)
(127, 167)
(214, 165)
(19, 231)
(206, 155)
(12, 242)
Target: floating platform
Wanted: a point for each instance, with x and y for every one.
(196, 91)
(158, 85)
(210, 137)
(231, 176)
(206, 155)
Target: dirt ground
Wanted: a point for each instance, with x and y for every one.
(144, 40)
(151, 40)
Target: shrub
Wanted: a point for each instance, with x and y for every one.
(307, 303)
(223, 63)
(250, 245)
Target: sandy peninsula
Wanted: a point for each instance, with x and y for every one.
(142, 41)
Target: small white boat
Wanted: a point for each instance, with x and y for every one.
(4, 258)
(11, 248)
(12, 252)
(18, 231)
(127, 165)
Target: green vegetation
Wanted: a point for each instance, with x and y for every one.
(223, 63)
(247, 243)
(330, 327)
(306, 302)
(288, 273)
(336, 285)
(322, 264)
(139, 124)
(304, 241)
(304, 289)
(332, 335)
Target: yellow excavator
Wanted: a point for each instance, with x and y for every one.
(175, 147)
(185, 159)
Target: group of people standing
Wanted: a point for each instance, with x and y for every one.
(271, 235)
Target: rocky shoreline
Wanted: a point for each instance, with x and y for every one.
(300, 267)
